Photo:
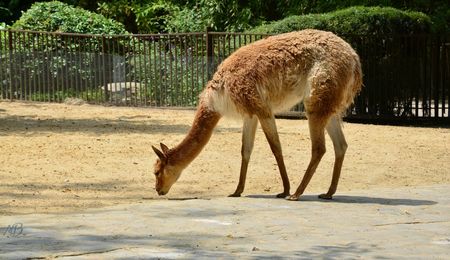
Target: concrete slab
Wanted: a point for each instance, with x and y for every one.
(410, 223)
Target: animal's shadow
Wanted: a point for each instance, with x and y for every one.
(358, 200)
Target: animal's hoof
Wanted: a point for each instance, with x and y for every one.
(283, 195)
(325, 196)
(234, 195)
(292, 198)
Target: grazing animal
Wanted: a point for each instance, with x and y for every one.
(266, 77)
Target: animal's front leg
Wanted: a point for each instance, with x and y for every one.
(334, 129)
(317, 134)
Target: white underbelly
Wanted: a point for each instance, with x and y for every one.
(278, 95)
(284, 94)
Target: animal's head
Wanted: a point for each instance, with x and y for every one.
(166, 174)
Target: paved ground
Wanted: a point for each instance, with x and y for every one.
(410, 223)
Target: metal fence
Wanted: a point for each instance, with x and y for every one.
(405, 77)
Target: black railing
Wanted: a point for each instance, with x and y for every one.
(405, 77)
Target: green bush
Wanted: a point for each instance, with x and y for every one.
(60, 17)
(437, 10)
(46, 59)
(355, 20)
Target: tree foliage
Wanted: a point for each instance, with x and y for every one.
(156, 16)
(60, 17)
(139, 16)
(218, 15)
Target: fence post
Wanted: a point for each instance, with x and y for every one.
(431, 88)
(445, 69)
(105, 85)
(10, 46)
(436, 83)
(209, 53)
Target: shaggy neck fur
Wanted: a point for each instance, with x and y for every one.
(199, 134)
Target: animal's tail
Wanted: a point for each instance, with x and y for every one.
(356, 84)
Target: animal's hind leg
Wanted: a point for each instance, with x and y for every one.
(334, 129)
(248, 139)
(270, 130)
(317, 134)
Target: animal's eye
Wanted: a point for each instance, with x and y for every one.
(156, 173)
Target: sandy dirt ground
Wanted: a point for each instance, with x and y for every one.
(66, 158)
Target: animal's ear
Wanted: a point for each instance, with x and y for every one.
(164, 148)
(159, 153)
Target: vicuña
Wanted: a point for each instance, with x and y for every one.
(266, 77)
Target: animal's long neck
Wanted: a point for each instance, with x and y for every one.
(198, 136)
